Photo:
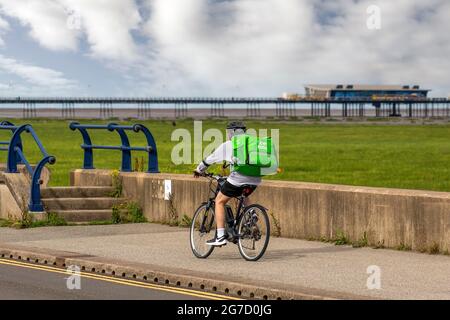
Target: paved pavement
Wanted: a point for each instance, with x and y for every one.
(22, 283)
(293, 264)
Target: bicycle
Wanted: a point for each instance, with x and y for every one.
(243, 229)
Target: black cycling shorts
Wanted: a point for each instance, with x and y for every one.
(232, 191)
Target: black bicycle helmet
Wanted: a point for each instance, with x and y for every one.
(236, 125)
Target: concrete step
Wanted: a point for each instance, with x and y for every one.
(76, 192)
(95, 203)
(84, 216)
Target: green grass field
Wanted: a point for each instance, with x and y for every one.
(398, 156)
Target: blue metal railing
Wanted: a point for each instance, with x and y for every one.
(16, 156)
(126, 149)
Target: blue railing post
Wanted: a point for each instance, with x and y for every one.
(152, 152)
(126, 152)
(13, 155)
(35, 204)
(88, 162)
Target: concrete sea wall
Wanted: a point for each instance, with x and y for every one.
(385, 217)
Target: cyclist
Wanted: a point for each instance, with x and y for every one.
(233, 186)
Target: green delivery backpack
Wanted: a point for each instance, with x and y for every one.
(254, 156)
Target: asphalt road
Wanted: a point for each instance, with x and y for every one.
(20, 281)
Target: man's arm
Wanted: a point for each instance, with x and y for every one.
(224, 152)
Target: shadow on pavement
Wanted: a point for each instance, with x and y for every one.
(283, 254)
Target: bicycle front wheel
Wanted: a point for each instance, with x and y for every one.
(203, 228)
(254, 233)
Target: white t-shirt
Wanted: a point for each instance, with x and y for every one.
(224, 152)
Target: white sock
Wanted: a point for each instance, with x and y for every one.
(220, 232)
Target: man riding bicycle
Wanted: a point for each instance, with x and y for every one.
(233, 186)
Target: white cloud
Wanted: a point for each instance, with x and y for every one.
(47, 20)
(107, 25)
(36, 76)
(230, 45)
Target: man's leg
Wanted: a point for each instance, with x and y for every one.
(221, 201)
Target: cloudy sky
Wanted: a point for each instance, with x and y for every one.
(218, 47)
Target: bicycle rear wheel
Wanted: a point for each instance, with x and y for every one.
(203, 228)
(254, 233)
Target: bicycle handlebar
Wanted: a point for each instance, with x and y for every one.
(212, 176)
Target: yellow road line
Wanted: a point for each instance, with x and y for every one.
(121, 281)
